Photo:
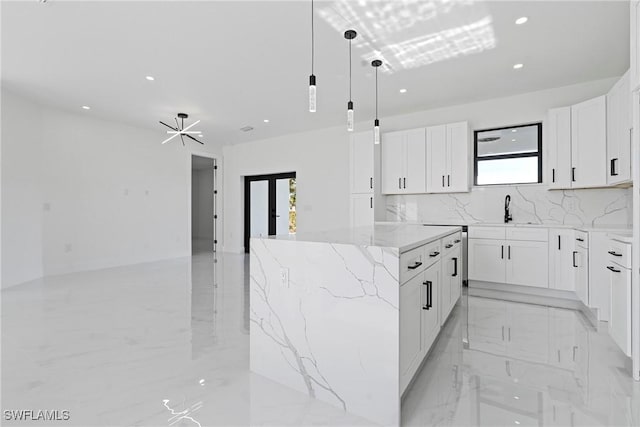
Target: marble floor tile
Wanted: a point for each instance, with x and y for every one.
(167, 344)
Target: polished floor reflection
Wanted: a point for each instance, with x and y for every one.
(166, 344)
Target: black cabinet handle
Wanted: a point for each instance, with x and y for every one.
(448, 180)
(400, 183)
(509, 252)
(579, 239)
(404, 182)
(613, 167)
(502, 252)
(559, 242)
(613, 269)
(553, 175)
(456, 241)
(574, 259)
(371, 182)
(443, 180)
(614, 253)
(414, 266)
(455, 267)
(371, 202)
(429, 303)
(434, 254)
(448, 245)
(573, 174)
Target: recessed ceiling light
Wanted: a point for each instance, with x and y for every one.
(518, 66)
(86, 107)
(266, 120)
(150, 78)
(516, 397)
(521, 20)
(513, 140)
(403, 91)
(517, 422)
(514, 130)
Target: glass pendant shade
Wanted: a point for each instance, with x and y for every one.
(376, 131)
(350, 116)
(312, 93)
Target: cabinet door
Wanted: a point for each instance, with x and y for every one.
(410, 339)
(561, 246)
(527, 263)
(415, 177)
(458, 157)
(581, 271)
(599, 276)
(430, 312)
(362, 162)
(487, 260)
(436, 159)
(620, 316)
(393, 155)
(558, 147)
(455, 277)
(619, 132)
(589, 143)
(362, 210)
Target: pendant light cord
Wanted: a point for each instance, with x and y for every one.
(312, 38)
(349, 69)
(376, 93)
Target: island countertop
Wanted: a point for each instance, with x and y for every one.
(403, 237)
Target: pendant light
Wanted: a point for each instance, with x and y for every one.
(350, 35)
(376, 123)
(312, 77)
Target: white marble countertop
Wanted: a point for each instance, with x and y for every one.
(614, 228)
(621, 236)
(401, 236)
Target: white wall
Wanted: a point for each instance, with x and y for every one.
(82, 193)
(202, 203)
(21, 190)
(321, 162)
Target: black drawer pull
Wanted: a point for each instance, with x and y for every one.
(614, 253)
(455, 267)
(429, 286)
(414, 266)
(574, 259)
(456, 241)
(449, 245)
(579, 239)
(434, 254)
(613, 269)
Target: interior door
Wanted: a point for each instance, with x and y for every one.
(269, 202)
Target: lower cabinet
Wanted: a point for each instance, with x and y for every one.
(430, 313)
(581, 267)
(620, 316)
(451, 282)
(561, 270)
(486, 260)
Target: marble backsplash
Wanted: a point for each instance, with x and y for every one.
(529, 204)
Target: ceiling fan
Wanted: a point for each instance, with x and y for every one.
(182, 131)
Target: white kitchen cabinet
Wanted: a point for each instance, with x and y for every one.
(619, 132)
(620, 317)
(410, 327)
(558, 147)
(581, 268)
(448, 158)
(487, 260)
(362, 210)
(599, 275)
(404, 162)
(430, 315)
(527, 263)
(589, 143)
(561, 270)
(362, 162)
(451, 282)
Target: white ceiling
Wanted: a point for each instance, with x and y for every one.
(235, 63)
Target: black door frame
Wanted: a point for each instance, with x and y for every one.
(271, 178)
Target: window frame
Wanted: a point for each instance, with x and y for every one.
(507, 156)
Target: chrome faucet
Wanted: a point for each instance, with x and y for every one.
(507, 215)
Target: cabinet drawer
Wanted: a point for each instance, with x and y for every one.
(451, 242)
(620, 253)
(432, 253)
(528, 233)
(497, 233)
(582, 239)
(412, 263)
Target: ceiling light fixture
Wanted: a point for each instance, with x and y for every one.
(403, 91)
(182, 131)
(150, 78)
(376, 63)
(266, 120)
(312, 77)
(86, 107)
(350, 35)
(521, 20)
(518, 66)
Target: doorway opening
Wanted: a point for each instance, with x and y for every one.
(204, 194)
(269, 205)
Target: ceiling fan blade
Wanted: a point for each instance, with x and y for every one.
(191, 125)
(170, 127)
(196, 140)
(177, 125)
(182, 139)
(170, 138)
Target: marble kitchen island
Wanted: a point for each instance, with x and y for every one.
(348, 316)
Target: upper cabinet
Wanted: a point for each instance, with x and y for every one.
(619, 129)
(404, 162)
(362, 162)
(558, 137)
(431, 160)
(448, 158)
(635, 45)
(589, 143)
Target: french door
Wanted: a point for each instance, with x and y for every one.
(269, 202)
